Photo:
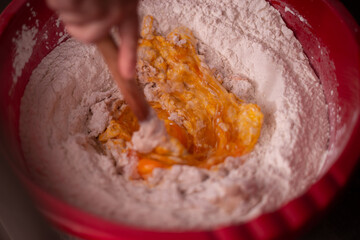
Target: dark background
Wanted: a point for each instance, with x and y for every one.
(342, 220)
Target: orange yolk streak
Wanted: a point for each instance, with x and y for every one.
(211, 123)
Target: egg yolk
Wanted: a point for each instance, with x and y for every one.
(206, 120)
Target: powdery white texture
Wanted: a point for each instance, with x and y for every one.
(71, 91)
(24, 43)
(152, 133)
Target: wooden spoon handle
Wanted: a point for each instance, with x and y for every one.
(132, 93)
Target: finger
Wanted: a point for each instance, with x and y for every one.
(128, 32)
(80, 17)
(86, 11)
(63, 5)
(89, 32)
(74, 18)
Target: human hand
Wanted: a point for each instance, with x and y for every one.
(90, 20)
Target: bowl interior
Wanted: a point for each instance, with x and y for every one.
(330, 39)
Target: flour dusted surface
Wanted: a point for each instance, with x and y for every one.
(68, 102)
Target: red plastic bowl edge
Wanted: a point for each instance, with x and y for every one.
(322, 192)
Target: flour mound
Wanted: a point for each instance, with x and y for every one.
(69, 98)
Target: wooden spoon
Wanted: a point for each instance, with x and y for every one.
(132, 93)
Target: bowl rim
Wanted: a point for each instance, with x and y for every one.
(291, 217)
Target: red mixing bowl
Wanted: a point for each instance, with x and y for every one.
(330, 38)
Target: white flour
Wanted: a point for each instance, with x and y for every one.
(25, 42)
(152, 133)
(68, 99)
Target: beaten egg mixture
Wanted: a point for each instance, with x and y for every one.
(205, 121)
